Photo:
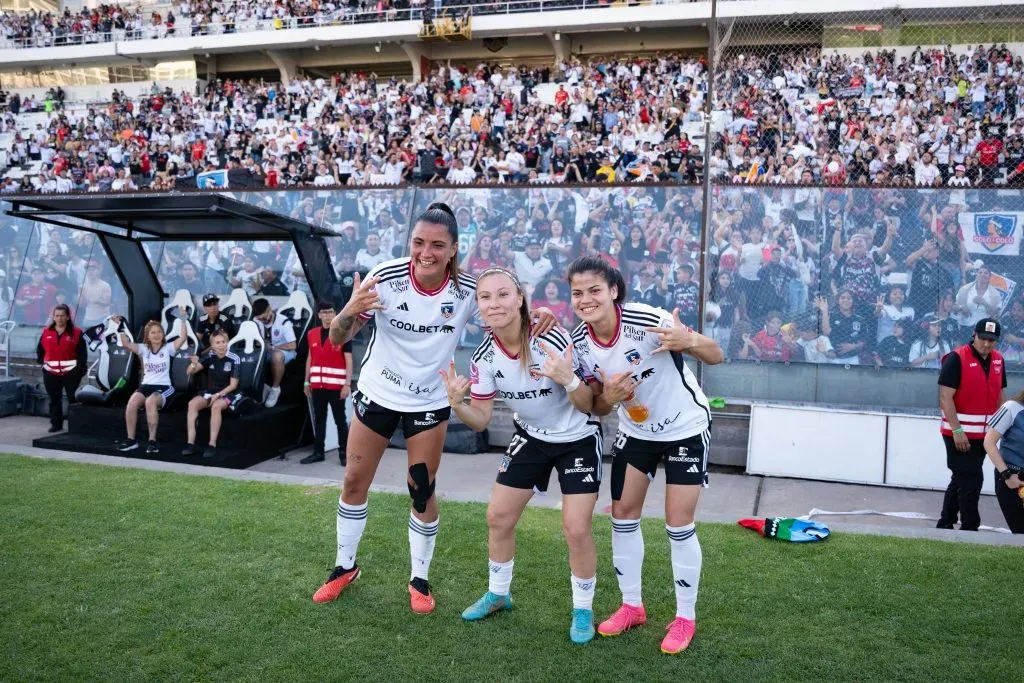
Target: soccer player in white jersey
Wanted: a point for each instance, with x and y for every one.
(633, 355)
(537, 378)
(420, 305)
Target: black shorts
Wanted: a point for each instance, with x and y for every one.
(686, 460)
(384, 421)
(528, 462)
(148, 390)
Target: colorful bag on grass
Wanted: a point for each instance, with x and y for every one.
(788, 529)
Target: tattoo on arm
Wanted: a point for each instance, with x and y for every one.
(343, 328)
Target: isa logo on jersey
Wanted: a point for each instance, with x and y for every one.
(633, 356)
(447, 309)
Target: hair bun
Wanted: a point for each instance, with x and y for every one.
(441, 206)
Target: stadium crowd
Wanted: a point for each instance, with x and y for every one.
(935, 118)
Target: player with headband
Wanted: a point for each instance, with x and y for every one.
(536, 377)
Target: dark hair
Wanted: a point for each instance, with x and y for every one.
(259, 307)
(66, 309)
(440, 213)
(324, 305)
(600, 267)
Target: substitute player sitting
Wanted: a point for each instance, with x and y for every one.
(536, 378)
(222, 368)
(633, 353)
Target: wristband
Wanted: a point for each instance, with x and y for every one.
(958, 430)
(573, 385)
(1006, 474)
(305, 384)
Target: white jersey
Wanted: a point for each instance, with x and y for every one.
(156, 367)
(677, 407)
(542, 406)
(281, 331)
(414, 337)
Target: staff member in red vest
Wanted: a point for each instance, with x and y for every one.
(327, 383)
(62, 353)
(971, 385)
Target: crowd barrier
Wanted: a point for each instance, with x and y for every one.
(808, 281)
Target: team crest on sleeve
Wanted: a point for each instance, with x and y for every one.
(447, 309)
(633, 356)
(474, 373)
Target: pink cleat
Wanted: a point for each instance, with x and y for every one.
(625, 618)
(680, 633)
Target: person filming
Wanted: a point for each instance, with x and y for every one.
(62, 353)
(327, 383)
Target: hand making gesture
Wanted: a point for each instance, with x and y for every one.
(455, 384)
(678, 338)
(364, 297)
(557, 366)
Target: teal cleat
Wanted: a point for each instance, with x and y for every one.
(487, 605)
(582, 629)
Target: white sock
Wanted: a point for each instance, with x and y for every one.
(500, 576)
(583, 592)
(628, 558)
(686, 562)
(421, 545)
(351, 522)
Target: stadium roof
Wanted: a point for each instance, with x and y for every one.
(168, 216)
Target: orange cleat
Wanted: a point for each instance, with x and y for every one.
(335, 583)
(420, 599)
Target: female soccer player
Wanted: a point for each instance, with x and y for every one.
(551, 433)
(155, 388)
(663, 416)
(420, 305)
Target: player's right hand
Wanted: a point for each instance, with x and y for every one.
(618, 387)
(364, 296)
(455, 384)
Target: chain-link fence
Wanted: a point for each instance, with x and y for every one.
(903, 129)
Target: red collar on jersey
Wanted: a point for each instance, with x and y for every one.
(501, 347)
(618, 329)
(428, 292)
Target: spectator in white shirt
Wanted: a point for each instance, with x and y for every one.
(531, 265)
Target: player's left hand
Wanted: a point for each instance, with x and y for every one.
(345, 391)
(543, 321)
(678, 338)
(557, 366)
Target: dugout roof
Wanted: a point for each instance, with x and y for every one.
(166, 216)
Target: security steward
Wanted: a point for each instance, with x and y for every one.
(62, 353)
(971, 384)
(327, 383)
(213, 321)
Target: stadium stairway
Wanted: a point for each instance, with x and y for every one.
(243, 442)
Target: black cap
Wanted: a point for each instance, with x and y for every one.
(533, 242)
(210, 299)
(988, 328)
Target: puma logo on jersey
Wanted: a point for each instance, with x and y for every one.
(403, 307)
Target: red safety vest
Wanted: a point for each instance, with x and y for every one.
(326, 363)
(977, 397)
(60, 353)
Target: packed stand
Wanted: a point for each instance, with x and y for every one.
(881, 277)
(101, 24)
(606, 120)
(938, 118)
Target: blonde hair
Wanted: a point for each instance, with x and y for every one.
(524, 312)
(145, 334)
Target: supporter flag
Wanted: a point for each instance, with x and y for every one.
(996, 233)
(212, 179)
(787, 529)
(755, 171)
(1005, 286)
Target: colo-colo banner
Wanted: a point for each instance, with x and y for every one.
(211, 179)
(992, 233)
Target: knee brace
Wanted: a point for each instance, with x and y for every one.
(421, 488)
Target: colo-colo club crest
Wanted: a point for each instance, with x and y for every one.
(447, 309)
(994, 230)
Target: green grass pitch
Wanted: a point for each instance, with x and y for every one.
(113, 574)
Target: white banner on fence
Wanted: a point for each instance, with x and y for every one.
(992, 233)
